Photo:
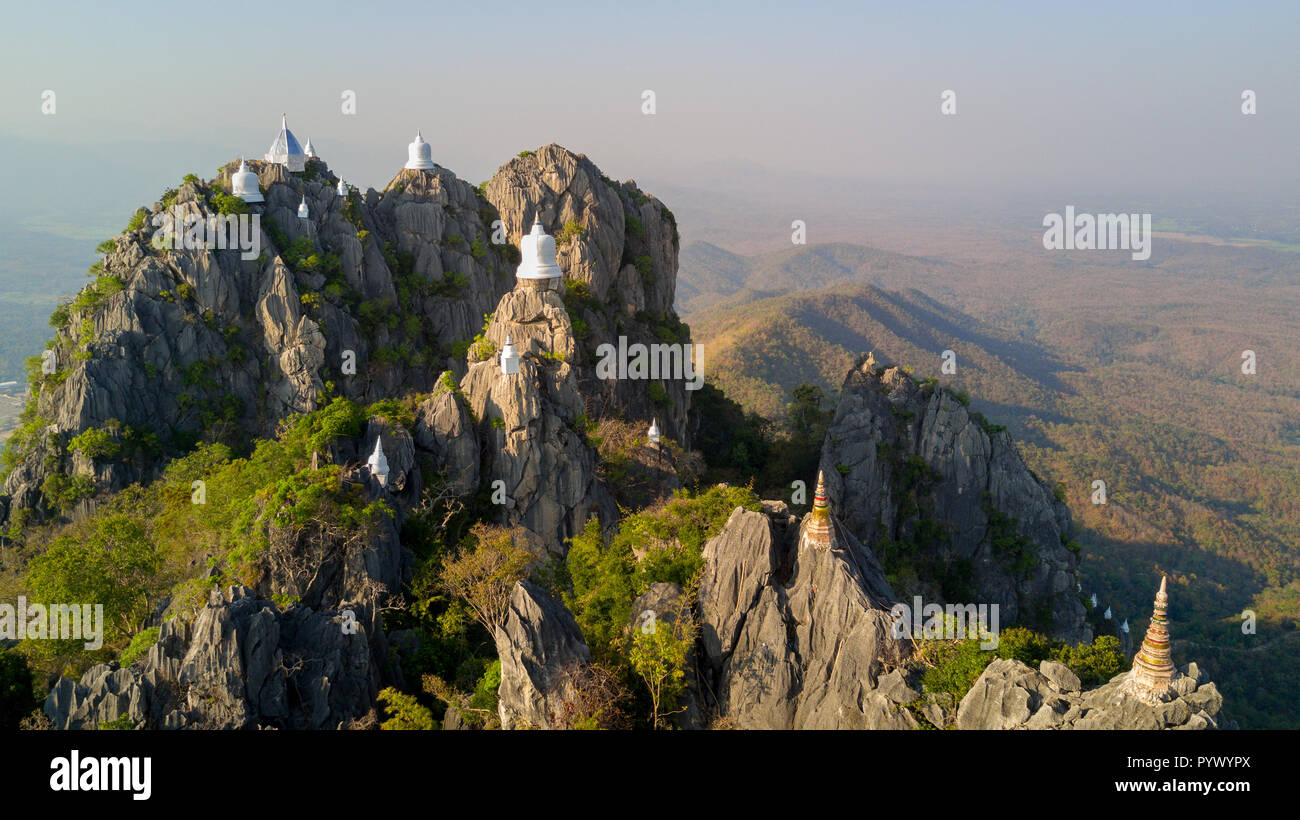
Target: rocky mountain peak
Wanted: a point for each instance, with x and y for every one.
(944, 500)
(370, 296)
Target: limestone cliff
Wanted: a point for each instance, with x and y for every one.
(532, 420)
(947, 505)
(797, 636)
(620, 246)
(247, 658)
(370, 296)
(1011, 695)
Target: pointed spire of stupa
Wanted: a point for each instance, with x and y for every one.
(378, 463)
(1153, 668)
(818, 529)
(285, 149)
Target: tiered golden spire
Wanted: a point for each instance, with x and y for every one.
(1153, 668)
(818, 530)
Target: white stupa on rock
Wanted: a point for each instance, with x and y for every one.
(378, 463)
(654, 431)
(1094, 600)
(419, 156)
(302, 208)
(285, 149)
(538, 267)
(509, 358)
(244, 184)
(309, 149)
(1124, 626)
(1106, 614)
(343, 187)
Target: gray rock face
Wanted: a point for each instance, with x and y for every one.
(896, 453)
(541, 648)
(1061, 676)
(529, 420)
(621, 245)
(242, 664)
(1010, 695)
(243, 661)
(370, 295)
(201, 339)
(797, 637)
(444, 429)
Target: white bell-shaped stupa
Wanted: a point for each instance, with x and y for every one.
(1106, 614)
(654, 431)
(285, 150)
(1124, 626)
(244, 184)
(419, 156)
(538, 267)
(1094, 600)
(309, 149)
(509, 358)
(302, 208)
(378, 463)
(343, 187)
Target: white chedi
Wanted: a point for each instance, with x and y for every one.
(538, 265)
(244, 184)
(378, 463)
(419, 156)
(1106, 614)
(1094, 600)
(309, 150)
(654, 434)
(343, 187)
(509, 358)
(1124, 626)
(302, 208)
(285, 149)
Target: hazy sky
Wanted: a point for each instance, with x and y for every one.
(1103, 93)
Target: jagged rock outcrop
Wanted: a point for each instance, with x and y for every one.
(621, 245)
(404, 481)
(541, 650)
(795, 635)
(1011, 695)
(314, 660)
(445, 431)
(531, 420)
(243, 663)
(911, 469)
(370, 297)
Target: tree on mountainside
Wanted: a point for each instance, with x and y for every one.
(484, 574)
(806, 423)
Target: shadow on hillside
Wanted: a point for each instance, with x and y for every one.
(1203, 587)
(1023, 357)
